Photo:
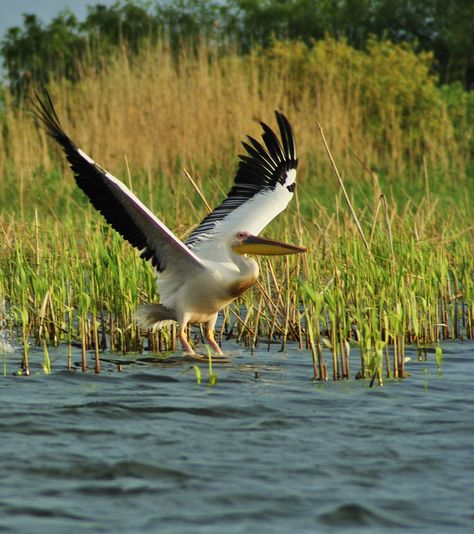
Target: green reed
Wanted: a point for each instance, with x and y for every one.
(75, 281)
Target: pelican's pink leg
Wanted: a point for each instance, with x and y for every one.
(184, 342)
(211, 338)
(213, 343)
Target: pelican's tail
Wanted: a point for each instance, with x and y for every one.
(154, 316)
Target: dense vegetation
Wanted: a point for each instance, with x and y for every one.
(402, 142)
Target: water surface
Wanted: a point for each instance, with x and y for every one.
(149, 450)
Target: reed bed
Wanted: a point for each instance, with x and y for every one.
(158, 113)
(67, 278)
(64, 284)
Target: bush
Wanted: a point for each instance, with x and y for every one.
(387, 92)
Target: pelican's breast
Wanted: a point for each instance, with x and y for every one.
(237, 288)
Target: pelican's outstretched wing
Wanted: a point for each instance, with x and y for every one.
(263, 186)
(119, 206)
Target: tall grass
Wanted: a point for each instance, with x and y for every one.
(161, 112)
(65, 277)
(81, 285)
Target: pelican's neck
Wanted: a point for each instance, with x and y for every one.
(248, 267)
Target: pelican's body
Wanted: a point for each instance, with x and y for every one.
(200, 277)
(193, 300)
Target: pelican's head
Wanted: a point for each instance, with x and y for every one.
(245, 243)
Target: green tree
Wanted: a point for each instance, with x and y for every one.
(35, 52)
(445, 27)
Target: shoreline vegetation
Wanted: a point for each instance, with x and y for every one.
(402, 144)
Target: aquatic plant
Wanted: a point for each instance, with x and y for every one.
(82, 287)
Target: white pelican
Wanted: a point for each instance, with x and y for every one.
(211, 269)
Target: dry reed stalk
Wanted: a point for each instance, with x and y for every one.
(273, 308)
(83, 346)
(198, 190)
(96, 344)
(257, 320)
(346, 196)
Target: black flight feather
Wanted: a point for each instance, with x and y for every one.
(91, 178)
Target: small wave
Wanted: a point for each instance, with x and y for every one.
(108, 490)
(85, 470)
(36, 511)
(153, 378)
(356, 515)
(116, 409)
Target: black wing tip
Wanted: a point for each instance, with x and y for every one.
(281, 115)
(275, 150)
(45, 115)
(286, 132)
(283, 123)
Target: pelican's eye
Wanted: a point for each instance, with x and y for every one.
(291, 188)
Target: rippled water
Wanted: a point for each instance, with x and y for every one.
(149, 450)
